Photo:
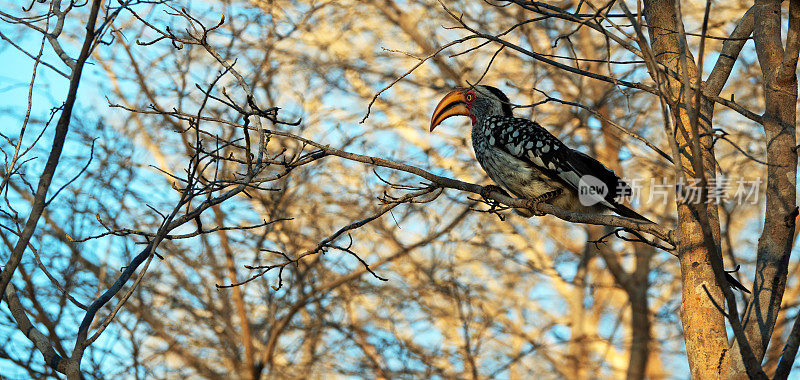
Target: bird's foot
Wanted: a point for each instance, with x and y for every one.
(493, 203)
(533, 203)
(486, 190)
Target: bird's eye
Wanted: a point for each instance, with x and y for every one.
(470, 97)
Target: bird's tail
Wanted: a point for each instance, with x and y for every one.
(734, 283)
(627, 212)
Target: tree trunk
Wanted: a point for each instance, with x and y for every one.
(703, 323)
(775, 243)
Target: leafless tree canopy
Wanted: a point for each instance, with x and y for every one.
(248, 189)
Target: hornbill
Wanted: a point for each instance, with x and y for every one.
(529, 162)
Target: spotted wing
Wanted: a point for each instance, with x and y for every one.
(531, 143)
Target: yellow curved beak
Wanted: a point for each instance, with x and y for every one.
(454, 103)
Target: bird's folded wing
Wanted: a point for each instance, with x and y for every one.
(534, 145)
(531, 143)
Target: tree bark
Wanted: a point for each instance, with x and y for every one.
(778, 68)
(703, 323)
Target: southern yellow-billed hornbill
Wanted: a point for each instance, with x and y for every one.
(528, 161)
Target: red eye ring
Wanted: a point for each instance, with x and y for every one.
(470, 97)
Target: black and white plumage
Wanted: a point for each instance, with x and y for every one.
(526, 160)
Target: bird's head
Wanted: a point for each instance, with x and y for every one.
(477, 102)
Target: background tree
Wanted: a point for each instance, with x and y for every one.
(186, 226)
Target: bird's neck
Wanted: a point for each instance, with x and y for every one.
(480, 119)
(479, 124)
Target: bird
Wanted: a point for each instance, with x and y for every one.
(526, 160)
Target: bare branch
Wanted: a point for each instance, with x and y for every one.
(789, 353)
(42, 343)
(55, 153)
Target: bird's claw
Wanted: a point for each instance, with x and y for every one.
(493, 203)
(533, 204)
(488, 189)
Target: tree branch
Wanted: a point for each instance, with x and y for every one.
(789, 353)
(788, 68)
(42, 343)
(39, 203)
